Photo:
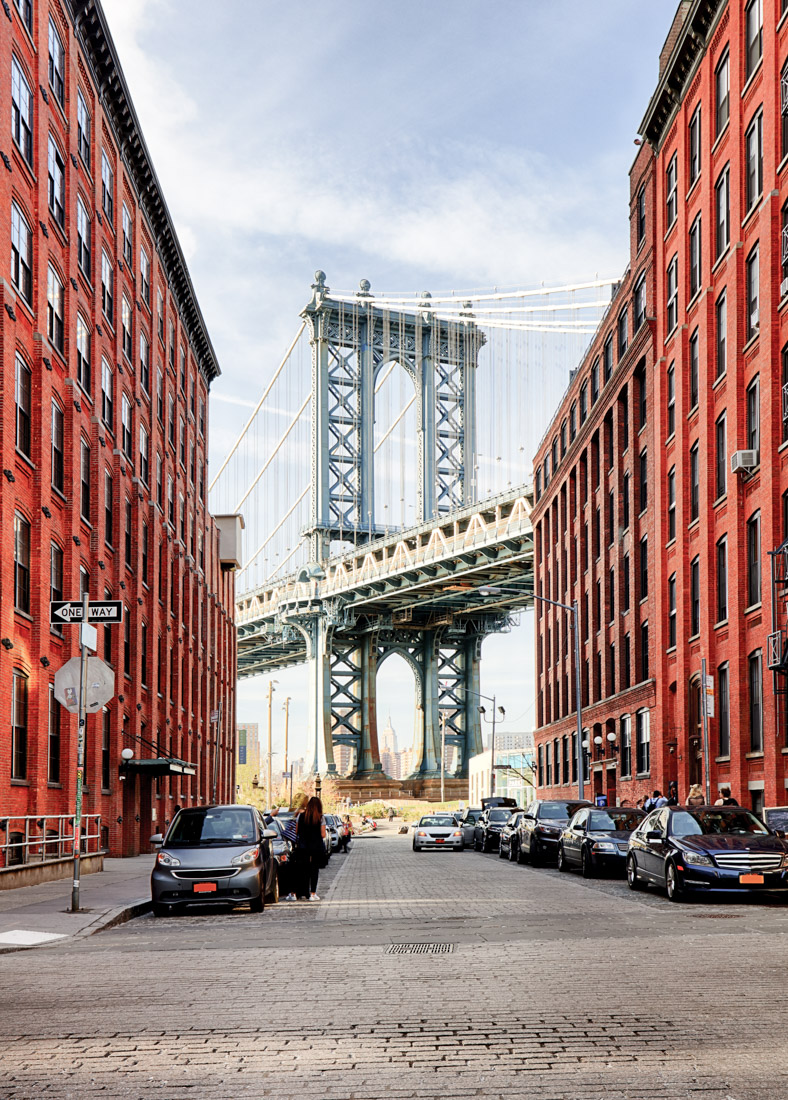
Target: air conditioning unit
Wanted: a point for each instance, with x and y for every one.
(743, 460)
(754, 319)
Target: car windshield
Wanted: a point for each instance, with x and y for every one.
(554, 811)
(443, 822)
(716, 822)
(199, 828)
(470, 819)
(614, 821)
(500, 815)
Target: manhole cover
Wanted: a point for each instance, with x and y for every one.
(419, 948)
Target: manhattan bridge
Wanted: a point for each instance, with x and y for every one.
(384, 479)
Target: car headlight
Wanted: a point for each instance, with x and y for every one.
(784, 863)
(421, 834)
(166, 860)
(698, 859)
(458, 833)
(604, 846)
(249, 856)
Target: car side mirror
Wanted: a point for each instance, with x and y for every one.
(270, 834)
(653, 835)
(157, 839)
(780, 833)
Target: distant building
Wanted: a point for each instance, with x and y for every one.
(248, 745)
(514, 776)
(388, 740)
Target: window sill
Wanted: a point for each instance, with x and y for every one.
(722, 759)
(721, 258)
(754, 755)
(694, 638)
(693, 523)
(720, 379)
(720, 136)
(669, 230)
(782, 20)
(643, 775)
(784, 162)
(20, 782)
(753, 607)
(751, 78)
(755, 206)
(18, 613)
(720, 499)
(55, 786)
(22, 457)
(671, 649)
(693, 185)
(720, 624)
(782, 447)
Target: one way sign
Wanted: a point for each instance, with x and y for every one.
(70, 611)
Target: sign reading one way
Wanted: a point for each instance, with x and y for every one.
(70, 611)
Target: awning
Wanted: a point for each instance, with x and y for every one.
(161, 765)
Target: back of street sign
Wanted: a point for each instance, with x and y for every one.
(101, 685)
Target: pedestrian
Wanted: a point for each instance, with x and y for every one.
(726, 799)
(695, 797)
(310, 850)
(659, 800)
(346, 834)
(673, 793)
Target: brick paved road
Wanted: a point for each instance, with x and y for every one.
(555, 988)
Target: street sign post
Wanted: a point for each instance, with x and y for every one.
(99, 611)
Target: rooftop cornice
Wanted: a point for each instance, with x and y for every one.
(93, 34)
(690, 44)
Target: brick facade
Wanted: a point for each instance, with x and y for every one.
(91, 443)
(716, 364)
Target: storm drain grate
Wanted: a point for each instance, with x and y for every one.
(419, 948)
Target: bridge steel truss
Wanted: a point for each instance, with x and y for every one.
(415, 593)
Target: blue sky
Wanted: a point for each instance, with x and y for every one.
(455, 144)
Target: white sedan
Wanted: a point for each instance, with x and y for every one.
(438, 831)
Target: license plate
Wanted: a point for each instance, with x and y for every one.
(204, 887)
(755, 880)
(439, 840)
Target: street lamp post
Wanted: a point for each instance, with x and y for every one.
(489, 590)
(482, 711)
(271, 690)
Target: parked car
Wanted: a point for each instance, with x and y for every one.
(598, 839)
(709, 848)
(437, 831)
(498, 800)
(487, 833)
(507, 848)
(282, 851)
(467, 822)
(540, 829)
(332, 830)
(214, 854)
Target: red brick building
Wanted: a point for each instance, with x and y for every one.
(105, 366)
(717, 129)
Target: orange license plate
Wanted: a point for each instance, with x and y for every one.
(439, 840)
(755, 880)
(204, 887)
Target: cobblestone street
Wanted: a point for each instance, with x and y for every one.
(550, 986)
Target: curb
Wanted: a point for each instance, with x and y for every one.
(108, 919)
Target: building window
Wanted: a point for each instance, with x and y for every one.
(107, 188)
(83, 354)
(673, 294)
(756, 708)
(183, 370)
(643, 741)
(644, 567)
(608, 358)
(84, 478)
(623, 334)
(694, 257)
(83, 238)
(22, 389)
(671, 504)
(753, 24)
(722, 579)
(145, 276)
(625, 744)
(25, 9)
(53, 739)
(56, 179)
(144, 363)
(625, 501)
(21, 112)
(722, 205)
(201, 418)
(722, 88)
(672, 611)
(694, 372)
(695, 597)
(753, 293)
(639, 298)
(127, 534)
(127, 642)
(182, 437)
(625, 601)
(57, 447)
(144, 548)
(563, 437)
(125, 420)
(126, 327)
(595, 382)
(55, 310)
(107, 404)
(671, 190)
(722, 334)
(753, 144)
(784, 111)
(694, 146)
(626, 661)
(105, 748)
(21, 254)
(171, 421)
(724, 722)
(144, 653)
(671, 380)
(753, 415)
(144, 459)
(109, 506)
(18, 725)
(754, 559)
(170, 501)
(583, 404)
(644, 651)
(128, 236)
(694, 483)
(83, 129)
(21, 564)
(159, 481)
(643, 471)
(56, 63)
(56, 577)
(640, 216)
(107, 287)
(548, 763)
(785, 393)
(721, 443)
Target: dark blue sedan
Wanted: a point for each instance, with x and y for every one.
(708, 848)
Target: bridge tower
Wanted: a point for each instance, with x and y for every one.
(351, 343)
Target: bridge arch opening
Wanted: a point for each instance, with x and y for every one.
(396, 445)
(397, 700)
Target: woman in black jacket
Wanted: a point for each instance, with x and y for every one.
(311, 849)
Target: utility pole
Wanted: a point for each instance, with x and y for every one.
(84, 636)
(443, 751)
(286, 709)
(270, 753)
(492, 753)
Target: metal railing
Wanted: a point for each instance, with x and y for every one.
(26, 840)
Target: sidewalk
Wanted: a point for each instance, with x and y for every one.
(33, 916)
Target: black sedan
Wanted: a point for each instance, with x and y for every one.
(540, 829)
(598, 839)
(507, 847)
(487, 834)
(707, 849)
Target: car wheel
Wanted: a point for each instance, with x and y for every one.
(501, 853)
(673, 884)
(514, 856)
(522, 855)
(533, 854)
(160, 910)
(634, 882)
(257, 905)
(476, 845)
(562, 864)
(273, 897)
(415, 849)
(586, 864)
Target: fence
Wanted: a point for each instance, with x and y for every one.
(27, 840)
